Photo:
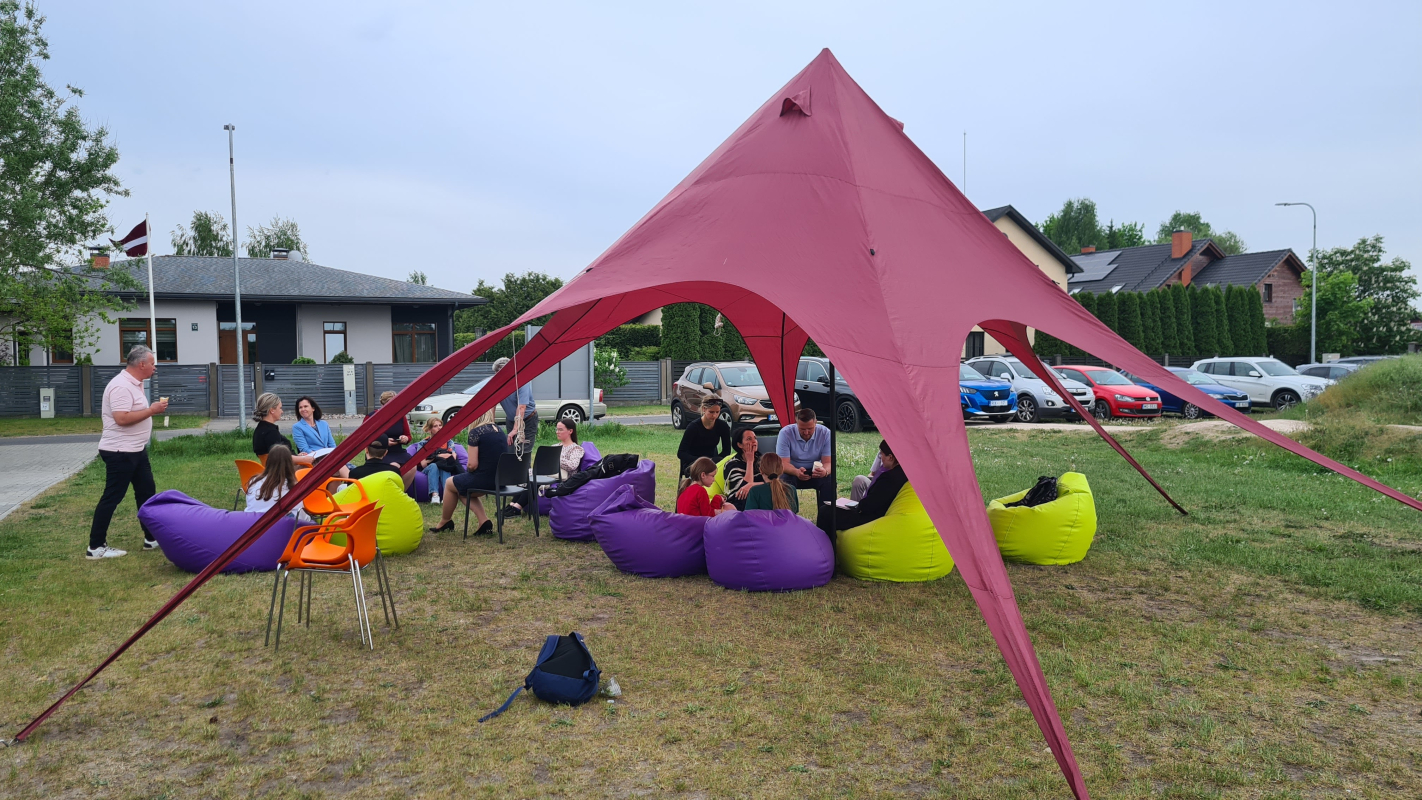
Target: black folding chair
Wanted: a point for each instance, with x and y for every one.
(547, 470)
(510, 481)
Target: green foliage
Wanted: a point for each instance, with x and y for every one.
(1128, 319)
(1165, 302)
(507, 302)
(1288, 343)
(1202, 317)
(263, 239)
(711, 340)
(733, 346)
(1106, 310)
(1386, 285)
(1228, 241)
(1150, 322)
(1386, 392)
(1257, 323)
(1076, 226)
(341, 358)
(645, 354)
(1184, 320)
(1088, 302)
(1130, 234)
(681, 332)
(1047, 346)
(625, 338)
(1341, 314)
(304, 360)
(463, 339)
(506, 347)
(1223, 340)
(208, 235)
(812, 349)
(1241, 328)
(607, 372)
(419, 278)
(56, 175)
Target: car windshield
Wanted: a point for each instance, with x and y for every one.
(1194, 377)
(967, 373)
(741, 376)
(476, 387)
(1105, 377)
(1276, 369)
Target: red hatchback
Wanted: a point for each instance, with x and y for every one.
(1116, 396)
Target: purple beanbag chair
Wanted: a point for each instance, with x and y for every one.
(767, 551)
(590, 458)
(420, 489)
(569, 517)
(645, 540)
(192, 533)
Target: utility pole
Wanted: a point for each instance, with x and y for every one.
(237, 286)
(1313, 312)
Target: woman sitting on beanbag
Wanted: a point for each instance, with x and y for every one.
(879, 496)
(692, 498)
(774, 494)
(276, 479)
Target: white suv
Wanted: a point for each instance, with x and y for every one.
(1035, 399)
(1267, 381)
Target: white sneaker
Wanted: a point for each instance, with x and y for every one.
(103, 551)
(150, 544)
(434, 498)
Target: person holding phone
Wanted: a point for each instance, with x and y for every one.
(128, 425)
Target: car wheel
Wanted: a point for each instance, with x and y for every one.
(726, 417)
(1027, 409)
(572, 412)
(1285, 399)
(847, 418)
(1102, 410)
(449, 415)
(1191, 411)
(678, 416)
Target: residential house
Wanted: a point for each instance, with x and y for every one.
(291, 308)
(1276, 274)
(1039, 250)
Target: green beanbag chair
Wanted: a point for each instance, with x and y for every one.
(1059, 532)
(402, 524)
(900, 546)
(719, 487)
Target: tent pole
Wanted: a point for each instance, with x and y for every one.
(834, 448)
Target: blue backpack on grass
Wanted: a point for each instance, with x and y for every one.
(565, 674)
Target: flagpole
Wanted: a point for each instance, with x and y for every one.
(237, 286)
(152, 308)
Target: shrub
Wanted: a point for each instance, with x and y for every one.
(607, 373)
(645, 354)
(1128, 319)
(681, 332)
(342, 358)
(626, 338)
(303, 360)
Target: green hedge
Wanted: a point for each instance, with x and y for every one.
(624, 338)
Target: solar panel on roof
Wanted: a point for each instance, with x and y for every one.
(1094, 266)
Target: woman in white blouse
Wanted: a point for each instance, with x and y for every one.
(568, 461)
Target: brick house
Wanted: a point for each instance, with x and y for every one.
(1276, 274)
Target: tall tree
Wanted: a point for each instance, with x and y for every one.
(1202, 316)
(733, 347)
(263, 239)
(1341, 314)
(1128, 319)
(1386, 284)
(1223, 340)
(710, 337)
(1228, 241)
(1129, 234)
(418, 278)
(507, 302)
(208, 235)
(1165, 300)
(681, 332)
(1106, 307)
(1076, 226)
(1241, 334)
(1184, 321)
(1150, 321)
(56, 175)
(1259, 341)
(1088, 302)
(1046, 345)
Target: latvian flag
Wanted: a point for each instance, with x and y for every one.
(136, 242)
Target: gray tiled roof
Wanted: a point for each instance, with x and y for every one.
(276, 279)
(1245, 269)
(994, 214)
(1140, 269)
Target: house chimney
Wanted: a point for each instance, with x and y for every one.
(1091, 248)
(280, 253)
(98, 257)
(1179, 244)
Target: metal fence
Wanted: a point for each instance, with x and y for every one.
(19, 390)
(644, 383)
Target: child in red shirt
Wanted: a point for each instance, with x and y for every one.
(693, 498)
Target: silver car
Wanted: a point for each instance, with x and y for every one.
(445, 406)
(1035, 399)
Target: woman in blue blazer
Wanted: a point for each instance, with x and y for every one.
(310, 432)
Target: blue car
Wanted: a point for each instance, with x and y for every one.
(1171, 404)
(985, 398)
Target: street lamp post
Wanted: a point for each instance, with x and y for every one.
(1313, 312)
(237, 286)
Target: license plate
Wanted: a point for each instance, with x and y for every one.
(997, 402)
(1241, 405)
(1149, 406)
(772, 418)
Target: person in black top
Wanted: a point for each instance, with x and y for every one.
(397, 437)
(707, 437)
(375, 461)
(880, 496)
(486, 444)
(743, 471)
(266, 433)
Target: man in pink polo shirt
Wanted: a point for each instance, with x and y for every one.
(128, 424)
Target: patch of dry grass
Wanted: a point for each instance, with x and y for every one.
(1178, 672)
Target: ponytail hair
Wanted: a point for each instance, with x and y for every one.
(699, 468)
(772, 467)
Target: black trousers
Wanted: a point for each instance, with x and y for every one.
(825, 492)
(123, 469)
(530, 432)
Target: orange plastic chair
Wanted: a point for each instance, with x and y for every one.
(246, 471)
(322, 501)
(311, 551)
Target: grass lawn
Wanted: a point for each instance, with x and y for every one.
(638, 411)
(1262, 647)
(34, 426)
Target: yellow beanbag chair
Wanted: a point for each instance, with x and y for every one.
(1059, 532)
(402, 524)
(900, 546)
(719, 487)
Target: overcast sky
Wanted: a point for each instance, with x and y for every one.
(470, 141)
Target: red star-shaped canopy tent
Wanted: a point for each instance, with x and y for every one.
(820, 218)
